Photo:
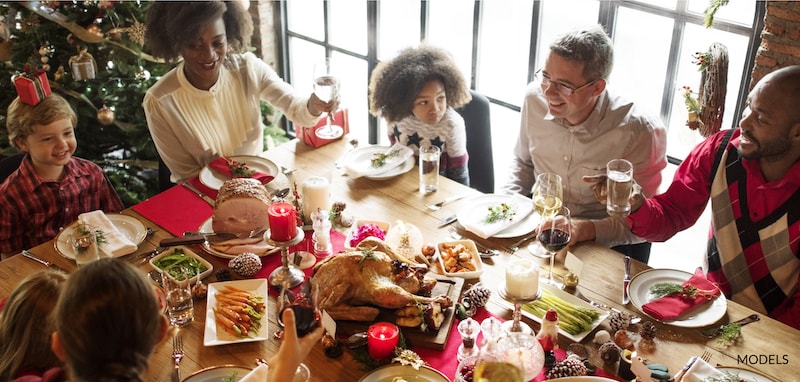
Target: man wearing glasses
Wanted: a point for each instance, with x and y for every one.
(572, 125)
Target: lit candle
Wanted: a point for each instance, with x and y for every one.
(282, 221)
(316, 195)
(522, 279)
(382, 339)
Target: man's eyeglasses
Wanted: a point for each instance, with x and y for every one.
(564, 89)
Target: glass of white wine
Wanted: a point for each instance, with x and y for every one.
(326, 87)
(547, 196)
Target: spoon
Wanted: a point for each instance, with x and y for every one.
(279, 194)
(351, 145)
(483, 251)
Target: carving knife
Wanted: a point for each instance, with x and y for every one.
(197, 238)
(46, 263)
(197, 192)
(626, 280)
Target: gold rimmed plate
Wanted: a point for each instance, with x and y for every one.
(129, 226)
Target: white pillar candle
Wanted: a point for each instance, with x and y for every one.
(315, 195)
(522, 279)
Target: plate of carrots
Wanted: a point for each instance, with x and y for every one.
(236, 312)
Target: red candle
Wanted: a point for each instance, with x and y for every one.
(382, 339)
(282, 221)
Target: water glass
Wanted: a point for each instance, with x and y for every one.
(619, 184)
(84, 245)
(429, 169)
(179, 299)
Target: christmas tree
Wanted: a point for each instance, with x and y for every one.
(92, 54)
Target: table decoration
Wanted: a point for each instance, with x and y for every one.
(522, 287)
(322, 233)
(115, 243)
(316, 196)
(238, 167)
(522, 350)
(469, 330)
(287, 275)
(640, 290)
(282, 222)
(382, 340)
(212, 176)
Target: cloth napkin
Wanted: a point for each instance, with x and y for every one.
(523, 205)
(117, 244)
(671, 307)
(699, 371)
(222, 166)
(176, 209)
(258, 374)
(357, 169)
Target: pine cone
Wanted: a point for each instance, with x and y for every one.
(609, 352)
(245, 264)
(648, 331)
(224, 275)
(619, 321)
(478, 295)
(570, 367)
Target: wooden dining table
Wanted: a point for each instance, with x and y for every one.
(767, 347)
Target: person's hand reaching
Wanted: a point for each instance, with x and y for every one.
(293, 350)
(601, 192)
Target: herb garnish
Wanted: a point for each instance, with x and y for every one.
(239, 169)
(730, 333)
(367, 253)
(379, 159)
(83, 229)
(727, 376)
(687, 292)
(499, 212)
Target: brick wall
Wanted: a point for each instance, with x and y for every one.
(264, 34)
(780, 39)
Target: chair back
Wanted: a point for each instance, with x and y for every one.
(479, 142)
(10, 164)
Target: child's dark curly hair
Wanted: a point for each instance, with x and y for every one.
(173, 25)
(395, 84)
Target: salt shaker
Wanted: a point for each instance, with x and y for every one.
(469, 330)
(492, 329)
(322, 233)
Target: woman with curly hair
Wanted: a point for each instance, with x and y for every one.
(27, 320)
(417, 92)
(209, 105)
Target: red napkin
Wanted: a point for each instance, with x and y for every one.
(223, 166)
(671, 307)
(176, 210)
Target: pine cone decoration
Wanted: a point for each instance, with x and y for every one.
(570, 367)
(478, 295)
(609, 352)
(648, 331)
(245, 264)
(619, 321)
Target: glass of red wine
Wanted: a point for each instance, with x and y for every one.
(306, 313)
(554, 235)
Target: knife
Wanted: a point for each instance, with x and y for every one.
(197, 192)
(197, 238)
(626, 280)
(46, 263)
(448, 220)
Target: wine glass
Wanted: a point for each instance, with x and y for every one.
(547, 196)
(326, 87)
(304, 304)
(554, 234)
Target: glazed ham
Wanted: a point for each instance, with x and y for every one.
(241, 207)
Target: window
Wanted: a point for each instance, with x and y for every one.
(499, 45)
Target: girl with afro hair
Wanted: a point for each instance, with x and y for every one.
(417, 93)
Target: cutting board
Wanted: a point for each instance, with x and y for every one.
(450, 286)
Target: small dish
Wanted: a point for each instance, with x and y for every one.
(460, 246)
(384, 226)
(189, 253)
(213, 336)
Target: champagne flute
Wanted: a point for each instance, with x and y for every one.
(547, 198)
(326, 87)
(554, 234)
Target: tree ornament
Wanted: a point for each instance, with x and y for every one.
(136, 32)
(95, 30)
(59, 74)
(142, 74)
(105, 115)
(105, 4)
(83, 65)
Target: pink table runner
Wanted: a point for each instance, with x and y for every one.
(178, 209)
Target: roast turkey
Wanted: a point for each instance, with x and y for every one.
(354, 285)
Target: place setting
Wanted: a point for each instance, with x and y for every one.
(97, 234)
(378, 162)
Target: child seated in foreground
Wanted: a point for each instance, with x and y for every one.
(51, 187)
(417, 93)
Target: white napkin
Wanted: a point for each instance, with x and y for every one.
(699, 371)
(258, 374)
(117, 244)
(523, 206)
(357, 169)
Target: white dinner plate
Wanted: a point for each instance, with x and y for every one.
(214, 180)
(361, 157)
(389, 372)
(206, 227)
(218, 373)
(639, 291)
(475, 210)
(214, 336)
(129, 226)
(746, 375)
(566, 297)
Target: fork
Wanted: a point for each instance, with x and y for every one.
(515, 246)
(706, 356)
(177, 356)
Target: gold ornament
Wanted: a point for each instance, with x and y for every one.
(105, 116)
(142, 74)
(59, 74)
(136, 32)
(95, 30)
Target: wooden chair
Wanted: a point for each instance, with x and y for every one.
(479, 142)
